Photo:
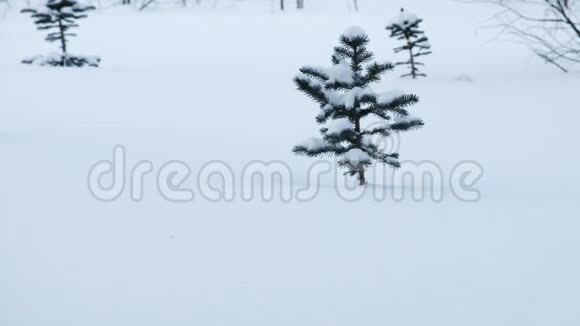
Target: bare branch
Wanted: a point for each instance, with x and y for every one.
(550, 28)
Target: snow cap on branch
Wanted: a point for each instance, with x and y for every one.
(56, 8)
(314, 144)
(338, 126)
(404, 19)
(355, 157)
(354, 32)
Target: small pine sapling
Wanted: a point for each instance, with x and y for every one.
(345, 97)
(59, 17)
(406, 28)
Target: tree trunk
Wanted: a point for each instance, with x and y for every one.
(361, 170)
(62, 39)
(282, 5)
(412, 59)
(355, 2)
(361, 177)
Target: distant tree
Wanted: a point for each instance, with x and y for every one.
(282, 5)
(126, 2)
(406, 28)
(60, 16)
(345, 98)
(299, 4)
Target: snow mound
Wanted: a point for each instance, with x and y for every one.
(63, 60)
(464, 78)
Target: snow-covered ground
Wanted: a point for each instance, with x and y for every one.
(201, 85)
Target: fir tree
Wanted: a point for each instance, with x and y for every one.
(345, 98)
(58, 17)
(406, 28)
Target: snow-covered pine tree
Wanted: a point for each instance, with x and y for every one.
(59, 17)
(345, 97)
(406, 28)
